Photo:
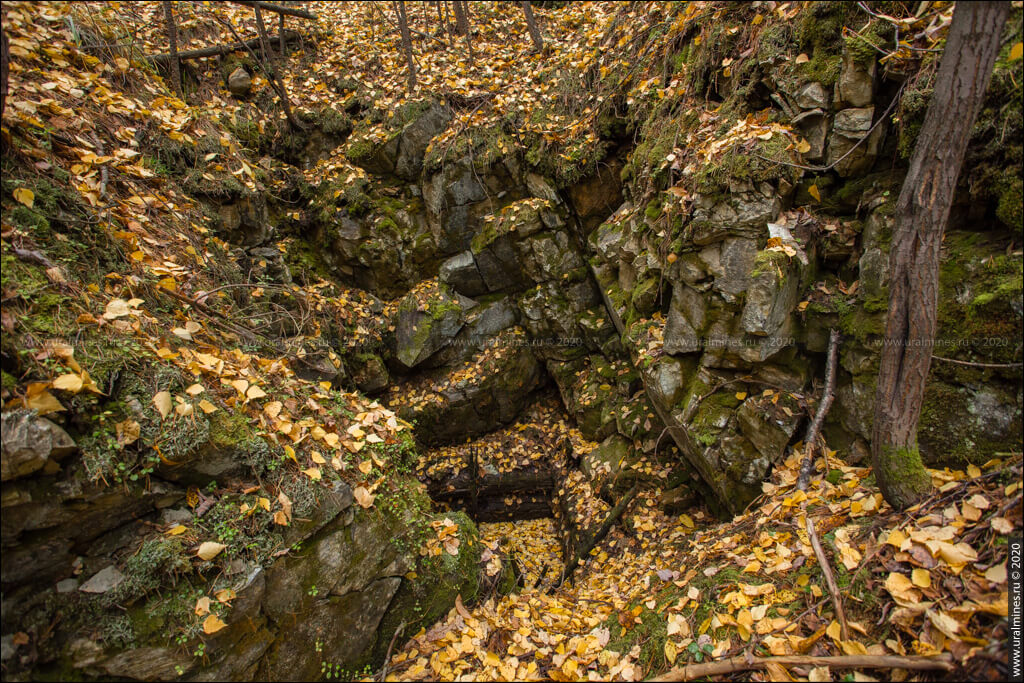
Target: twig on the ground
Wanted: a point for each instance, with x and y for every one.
(943, 662)
(33, 256)
(218, 50)
(387, 657)
(974, 364)
(826, 569)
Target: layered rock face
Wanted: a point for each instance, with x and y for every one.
(704, 328)
(333, 585)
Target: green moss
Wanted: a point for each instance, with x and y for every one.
(1011, 200)
(217, 185)
(653, 210)
(712, 416)
(157, 561)
(229, 430)
(485, 145)
(857, 322)
(359, 149)
(980, 287)
(906, 473)
(949, 433)
(768, 261)
(427, 595)
(651, 634)
(864, 47)
(46, 311)
(715, 178)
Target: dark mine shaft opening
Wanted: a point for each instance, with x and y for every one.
(489, 495)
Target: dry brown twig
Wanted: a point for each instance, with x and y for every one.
(743, 663)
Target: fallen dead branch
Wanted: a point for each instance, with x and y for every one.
(218, 50)
(742, 663)
(274, 7)
(606, 526)
(811, 440)
(830, 579)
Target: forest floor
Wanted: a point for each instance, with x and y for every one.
(660, 591)
(664, 591)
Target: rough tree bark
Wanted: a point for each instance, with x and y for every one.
(403, 27)
(531, 25)
(282, 44)
(921, 214)
(261, 31)
(172, 38)
(461, 19)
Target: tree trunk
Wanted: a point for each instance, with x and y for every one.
(403, 27)
(531, 24)
(466, 32)
(280, 34)
(921, 214)
(5, 61)
(215, 50)
(461, 20)
(172, 38)
(261, 31)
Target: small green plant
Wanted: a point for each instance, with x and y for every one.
(313, 591)
(700, 648)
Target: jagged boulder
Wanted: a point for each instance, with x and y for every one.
(856, 84)
(31, 443)
(461, 274)
(771, 293)
(382, 243)
(814, 125)
(369, 373)
(848, 129)
(462, 191)
(510, 254)
(452, 403)
(813, 96)
(552, 313)
(769, 426)
(484, 323)
(744, 212)
(239, 82)
(424, 324)
(685, 322)
(596, 197)
(246, 221)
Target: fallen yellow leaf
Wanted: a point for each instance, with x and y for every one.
(212, 624)
(209, 550)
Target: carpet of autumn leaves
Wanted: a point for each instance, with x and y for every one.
(664, 590)
(660, 590)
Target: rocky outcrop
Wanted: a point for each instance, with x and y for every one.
(452, 403)
(401, 151)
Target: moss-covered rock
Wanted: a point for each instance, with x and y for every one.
(407, 135)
